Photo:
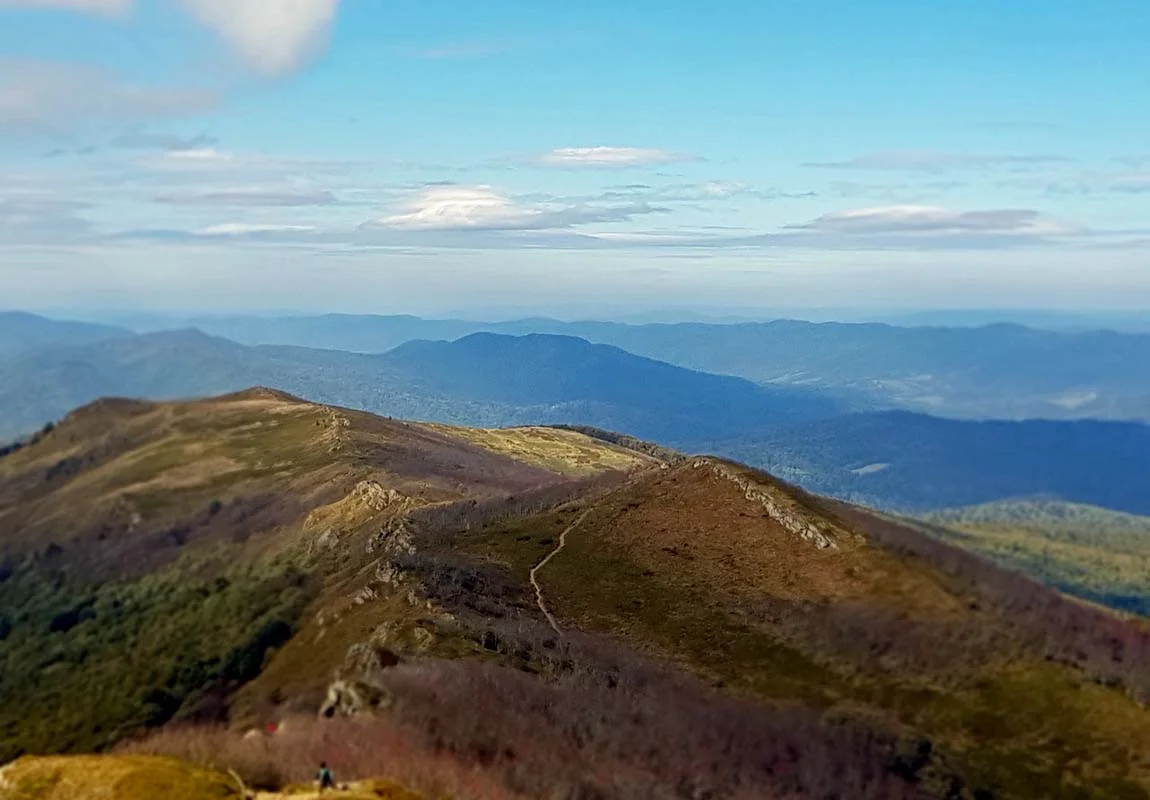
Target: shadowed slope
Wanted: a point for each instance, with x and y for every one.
(769, 592)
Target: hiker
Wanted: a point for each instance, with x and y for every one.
(324, 778)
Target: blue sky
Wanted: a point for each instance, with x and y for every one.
(563, 158)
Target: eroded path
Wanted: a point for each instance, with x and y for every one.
(539, 599)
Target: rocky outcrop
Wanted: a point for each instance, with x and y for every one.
(357, 688)
(368, 503)
(349, 698)
(780, 508)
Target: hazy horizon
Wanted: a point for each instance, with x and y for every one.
(1050, 318)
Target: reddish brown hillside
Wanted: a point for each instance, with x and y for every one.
(765, 590)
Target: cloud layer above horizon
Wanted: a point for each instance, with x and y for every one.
(447, 150)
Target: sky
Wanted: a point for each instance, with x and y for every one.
(398, 157)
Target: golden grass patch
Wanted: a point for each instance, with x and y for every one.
(562, 451)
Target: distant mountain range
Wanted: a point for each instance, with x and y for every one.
(22, 333)
(993, 371)
(897, 460)
(482, 379)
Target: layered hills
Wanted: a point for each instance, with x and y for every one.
(996, 370)
(479, 380)
(895, 460)
(543, 605)
(22, 333)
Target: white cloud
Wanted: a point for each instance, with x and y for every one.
(247, 229)
(109, 7)
(935, 161)
(481, 208)
(932, 220)
(612, 157)
(272, 36)
(460, 207)
(47, 97)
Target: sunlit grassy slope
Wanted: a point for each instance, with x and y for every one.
(113, 778)
(153, 778)
(1090, 552)
(564, 451)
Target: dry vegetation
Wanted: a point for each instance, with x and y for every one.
(249, 550)
(200, 538)
(123, 778)
(621, 729)
(564, 451)
(1008, 681)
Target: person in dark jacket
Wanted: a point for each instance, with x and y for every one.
(324, 778)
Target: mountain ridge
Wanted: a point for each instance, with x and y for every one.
(166, 365)
(1000, 370)
(262, 556)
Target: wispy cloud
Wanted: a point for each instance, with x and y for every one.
(139, 139)
(931, 220)
(1134, 181)
(39, 217)
(936, 161)
(39, 97)
(252, 197)
(616, 157)
(698, 192)
(455, 208)
(250, 229)
(252, 169)
(109, 7)
(1131, 182)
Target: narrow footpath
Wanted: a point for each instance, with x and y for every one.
(535, 570)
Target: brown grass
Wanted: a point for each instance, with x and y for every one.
(680, 564)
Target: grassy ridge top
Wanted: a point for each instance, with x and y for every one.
(563, 451)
